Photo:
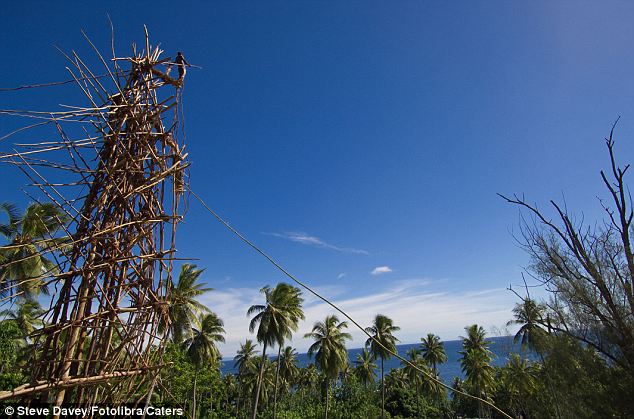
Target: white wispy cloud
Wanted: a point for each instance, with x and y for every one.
(414, 305)
(381, 270)
(341, 275)
(306, 239)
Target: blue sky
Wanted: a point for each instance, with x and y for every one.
(348, 136)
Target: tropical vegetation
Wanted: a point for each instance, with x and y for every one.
(574, 354)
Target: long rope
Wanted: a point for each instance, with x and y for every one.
(324, 299)
(55, 83)
(285, 272)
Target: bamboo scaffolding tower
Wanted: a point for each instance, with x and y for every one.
(121, 183)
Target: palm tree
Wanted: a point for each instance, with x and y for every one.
(365, 367)
(476, 362)
(413, 358)
(183, 308)
(288, 366)
(396, 379)
(475, 339)
(329, 349)
(259, 376)
(458, 384)
(382, 344)
(243, 357)
(433, 351)
(519, 377)
(245, 354)
(275, 321)
(26, 316)
(23, 265)
(9, 229)
(412, 371)
(232, 388)
(476, 365)
(431, 384)
(529, 315)
(307, 380)
(201, 346)
(457, 399)
(293, 307)
(345, 373)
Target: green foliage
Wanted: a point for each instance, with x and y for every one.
(246, 352)
(11, 375)
(10, 335)
(462, 405)
(201, 346)
(178, 380)
(581, 379)
(288, 367)
(275, 321)
(518, 383)
(405, 403)
(329, 347)
(27, 316)
(383, 341)
(184, 309)
(11, 380)
(587, 268)
(382, 344)
(476, 365)
(582, 372)
(350, 399)
(278, 318)
(365, 369)
(353, 399)
(433, 350)
(24, 267)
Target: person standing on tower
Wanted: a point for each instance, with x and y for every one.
(181, 63)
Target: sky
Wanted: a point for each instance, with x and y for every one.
(362, 144)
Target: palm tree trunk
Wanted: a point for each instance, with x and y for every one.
(417, 398)
(194, 403)
(437, 395)
(259, 386)
(238, 403)
(480, 394)
(327, 388)
(149, 395)
(277, 375)
(382, 392)
(549, 385)
(151, 392)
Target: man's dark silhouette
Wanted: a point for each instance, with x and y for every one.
(181, 63)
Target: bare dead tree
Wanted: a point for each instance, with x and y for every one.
(587, 270)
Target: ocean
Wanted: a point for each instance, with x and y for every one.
(501, 347)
